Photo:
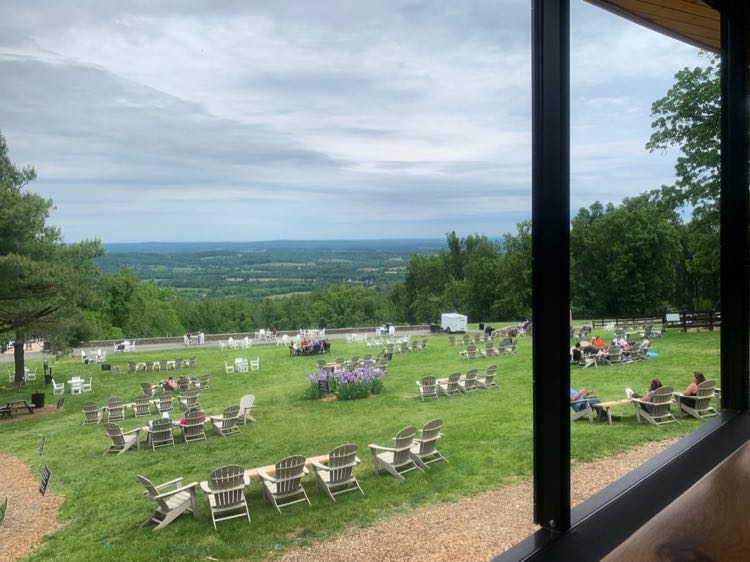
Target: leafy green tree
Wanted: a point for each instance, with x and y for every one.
(624, 258)
(513, 289)
(688, 117)
(43, 281)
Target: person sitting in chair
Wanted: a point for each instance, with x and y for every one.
(649, 397)
(578, 399)
(576, 353)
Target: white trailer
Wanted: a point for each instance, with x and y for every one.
(453, 322)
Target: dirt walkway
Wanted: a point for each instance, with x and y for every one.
(29, 516)
(480, 527)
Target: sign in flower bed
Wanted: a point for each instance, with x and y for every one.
(346, 385)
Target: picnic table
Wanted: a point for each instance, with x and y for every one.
(10, 408)
(607, 407)
(271, 468)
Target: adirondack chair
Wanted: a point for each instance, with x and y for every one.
(177, 364)
(183, 383)
(335, 476)
(284, 488)
(122, 440)
(489, 351)
(423, 447)
(132, 365)
(403, 347)
(322, 364)
(142, 406)
(91, 413)
(246, 408)
(147, 389)
(414, 346)
(585, 411)
(469, 382)
(149, 367)
(161, 434)
(699, 406)
(225, 490)
(226, 424)
(396, 460)
(449, 386)
(487, 380)
(87, 386)
(191, 363)
(423, 345)
(465, 340)
(172, 499)
(202, 383)
(165, 403)
(115, 371)
(451, 341)
(427, 387)
(115, 410)
(58, 388)
(659, 413)
(163, 365)
(190, 399)
(193, 429)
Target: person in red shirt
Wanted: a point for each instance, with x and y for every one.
(692, 388)
(599, 342)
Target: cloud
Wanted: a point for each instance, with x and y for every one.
(185, 120)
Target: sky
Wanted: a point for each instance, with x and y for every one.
(188, 120)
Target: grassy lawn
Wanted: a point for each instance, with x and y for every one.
(487, 443)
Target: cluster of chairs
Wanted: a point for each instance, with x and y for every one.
(282, 482)
(161, 431)
(614, 356)
(657, 411)
(476, 339)
(231, 343)
(354, 363)
(242, 365)
(156, 366)
(407, 346)
(456, 384)
(506, 347)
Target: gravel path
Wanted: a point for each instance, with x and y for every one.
(29, 516)
(481, 527)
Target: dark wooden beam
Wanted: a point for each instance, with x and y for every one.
(550, 230)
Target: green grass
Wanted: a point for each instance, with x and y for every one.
(488, 441)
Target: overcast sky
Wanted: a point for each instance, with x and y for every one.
(234, 120)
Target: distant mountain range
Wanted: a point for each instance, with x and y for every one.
(418, 245)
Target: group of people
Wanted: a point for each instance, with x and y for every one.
(600, 350)
(309, 346)
(579, 398)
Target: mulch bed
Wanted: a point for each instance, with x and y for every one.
(29, 516)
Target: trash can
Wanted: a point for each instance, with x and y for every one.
(388, 356)
(47, 379)
(106, 367)
(481, 325)
(45, 364)
(37, 398)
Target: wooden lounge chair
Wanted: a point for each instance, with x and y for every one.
(132, 366)
(449, 386)
(423, 447)
(172, 499)
(193, 429)
(698, 406)
(142, 406)
(335, 476)
(122, 440)
(488, 379)
(284, 488)
(246, 408)
(147, 388)
(161, 434)
(183, 383)
(189, 399)
(469, 382)
(226, 424)
(91, 413)
(451, 341)
(115, 410)
(201, 383)
(165, 403)
(427, 387)
(396, 460)
(659, 413)
(585, 411)
(163, 365)
(225, 489)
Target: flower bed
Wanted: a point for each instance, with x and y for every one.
(346, 385)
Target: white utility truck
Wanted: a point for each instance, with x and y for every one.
(453, 322)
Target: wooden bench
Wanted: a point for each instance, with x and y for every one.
(271, 468)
